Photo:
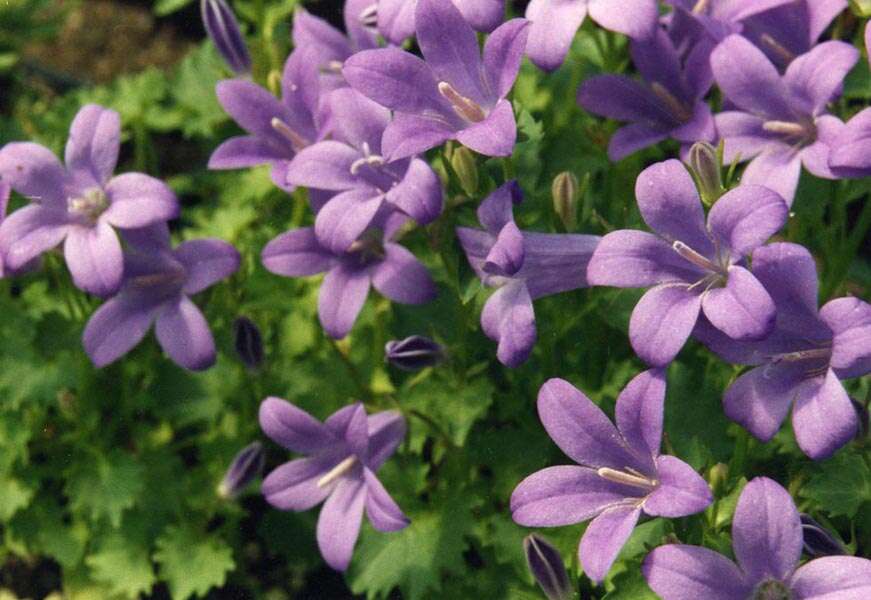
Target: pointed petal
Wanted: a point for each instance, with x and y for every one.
(30, 231)
(681, 490)
(850, 322)
(34, 172)
(623, 99)
(630, 258)
(93, 256)
(604, 538)
(554, 25)
(639, 413)
(503, 52)
(207, 261)
(409, 135)
(817, 77)
(244, 151)
(292, 427)
(778, 168)
(789, 273)
(746, 217)
(296, 253)
(95, 138)
(506, 256)
(116, 328)
(402, 278)
(743, 310)
(342, 295)
(383, 512)
(351, 425)
(137, 200)
(482, 15)
(325, 165)
(396, 20)
(294, 485)
(662, 321)
(184, 335)
(339, 522)
(833, 578)
(395, 79)
(386, 431)
(743, 135)
(748, 78)
(346, 216)
(633, 137)
(509, 319)
(816, 157)
(682, 572)
(823, 419)
(554, 263)
(495, 135)
(356, 119)
(766, 531)
(760, 399)
(658, 61)
(635, 18)
(419, 194)
(497, 209)
(253, 108)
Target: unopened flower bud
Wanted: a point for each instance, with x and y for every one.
(547, 567)
(245, 468)
(717, 476)
(565, 191)
(223, 29)
(705, 165)
(463, 164)
(248, 342)
(414, 353)
(861, 8)
(818, 541)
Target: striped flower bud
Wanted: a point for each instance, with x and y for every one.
(245, 468)
(223, 29)
(248, 342)
(819, 541)
(565, 192)
(547, 567)
(706, 169)
(463, 164)
(414, 353)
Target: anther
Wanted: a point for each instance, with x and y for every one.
(776, 47)
(466, 108)
(638, 480)
(694, 257)
(700, 7)
(785, 127)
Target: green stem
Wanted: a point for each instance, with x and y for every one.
(438, 429)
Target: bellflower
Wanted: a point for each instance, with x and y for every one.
(453, 93)
(373, 260)
(351, 164)
(523, 266)
(767, 542)
(276, 129)
(396, 17)
(620, 473)
(157, 283)
(668, 103)
(343, 455)
(223, 29)
(79, 205)
(693, 266)
(555, 22)
(804, 359)
(780, 122)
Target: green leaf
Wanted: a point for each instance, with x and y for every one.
(454, 406)
(165, 7)
(124, 565)
(841, 486)
(191, 561)
(14, 496)
(105, 487)
(630, 585)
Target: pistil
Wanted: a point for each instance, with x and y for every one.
(675, 106)
(789, 128)
(633, 478)
(700, 7)
(369, 159)
(466, 108)
(297, 141)
(337, 471)
(694, 257)
(777, 47)
(90, 205)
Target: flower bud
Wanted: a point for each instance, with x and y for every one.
(414, 353)
(547, 567)
(565, 192)
(861, 8)
(245, 468)
(864, 418)
(463, 164)
(248, 342)
(818, 541)
(717, 476)
(705, 165)
(223, 29)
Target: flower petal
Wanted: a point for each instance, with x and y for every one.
(623, 99)
(253, 108)
(207, 261)
(294, 485)
(789, 273)
(346, 216)
(482, 15)
(639, 413)
(634, 18)
(402, 278)
(326, 166)
(815, 78)
(117, 327)
(30, 231)
(662, 321)
(742, 309)
(777, 168)
(760, 399)
(497, 209)
(682, 572)
(395, 79)
(383, 512)
(137, 200)
(419, 194)
(244, 151)
(506, 256)
(509, 319)
(184, 335)
(681, 490)
(746, 217)
(503, 52)
(292, 427)
(296, 253)
(34, 172)
(742, 134)
(495, 135)
(93, 256)
(409, 135)
(357, 120)
(339, 522)
(850, 322)
(748, 79)
(629, 258)
(832, 578)
(604, 538)
(823, 419)
(634, 137)
(554, 25)
(342, 295)
(95, 138)
(386, 431)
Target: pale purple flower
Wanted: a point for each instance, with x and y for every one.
(374, 260)
(80, 205)
(780, 122)
(667, 104)
(396, 17)
(620, 472)
(343, 455)
(351, 163)
(523, 266)
(850, 155)
(555, 22)
(767, 542)
(801, 364)
(223, 29)
(276, 129)
(693, 267)
(155, 290)
(454, 93)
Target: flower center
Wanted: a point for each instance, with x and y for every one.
(771, 590)
(337, 471)
(90, 205)
(172, 277)
(296, 140)
(795, 132)
(369, 247)
(466, 108)
(629, 476)
(374, 161)
(675, 107)
(814, 361)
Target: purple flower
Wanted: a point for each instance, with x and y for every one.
(620, 473)
(396, 17)
(155, 290)
(780, 122)
(277, 129)
(372, 260)
(246, 467)
(850, 155)
(368, 184)
(223, 29)
(555, 22)
(523, 266)
(668, 104)
(343, 455)
(454, 93)
(693, 267)
(79, 205)
(767, 540)
(804, 359)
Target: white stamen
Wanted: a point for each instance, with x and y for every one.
(694, 257)
(784, 127)
(637, 480)
(368, 17)
(337, 471)
(776, 47)
(334, 67)
(372, 160)
(675, 106)
(297, 141)
(700, 7)
(466, 108)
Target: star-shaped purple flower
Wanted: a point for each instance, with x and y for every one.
(767, 541)
(780, 122)
(372, 260)
(276, 129)
(454, 93)
(802, 362)
(368, 184)
(80, 205)
(620, 473)
(396, 17)
(343, 455)
(523, 266)
(555, 22)
(669, 103)
(157, 283)
(693, 267)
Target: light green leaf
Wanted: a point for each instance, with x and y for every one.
(106, 487)
(124, 565)
(14, 496)
(841, 486)
(191, 561)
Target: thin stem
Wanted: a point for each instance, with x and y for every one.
(438, 429)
